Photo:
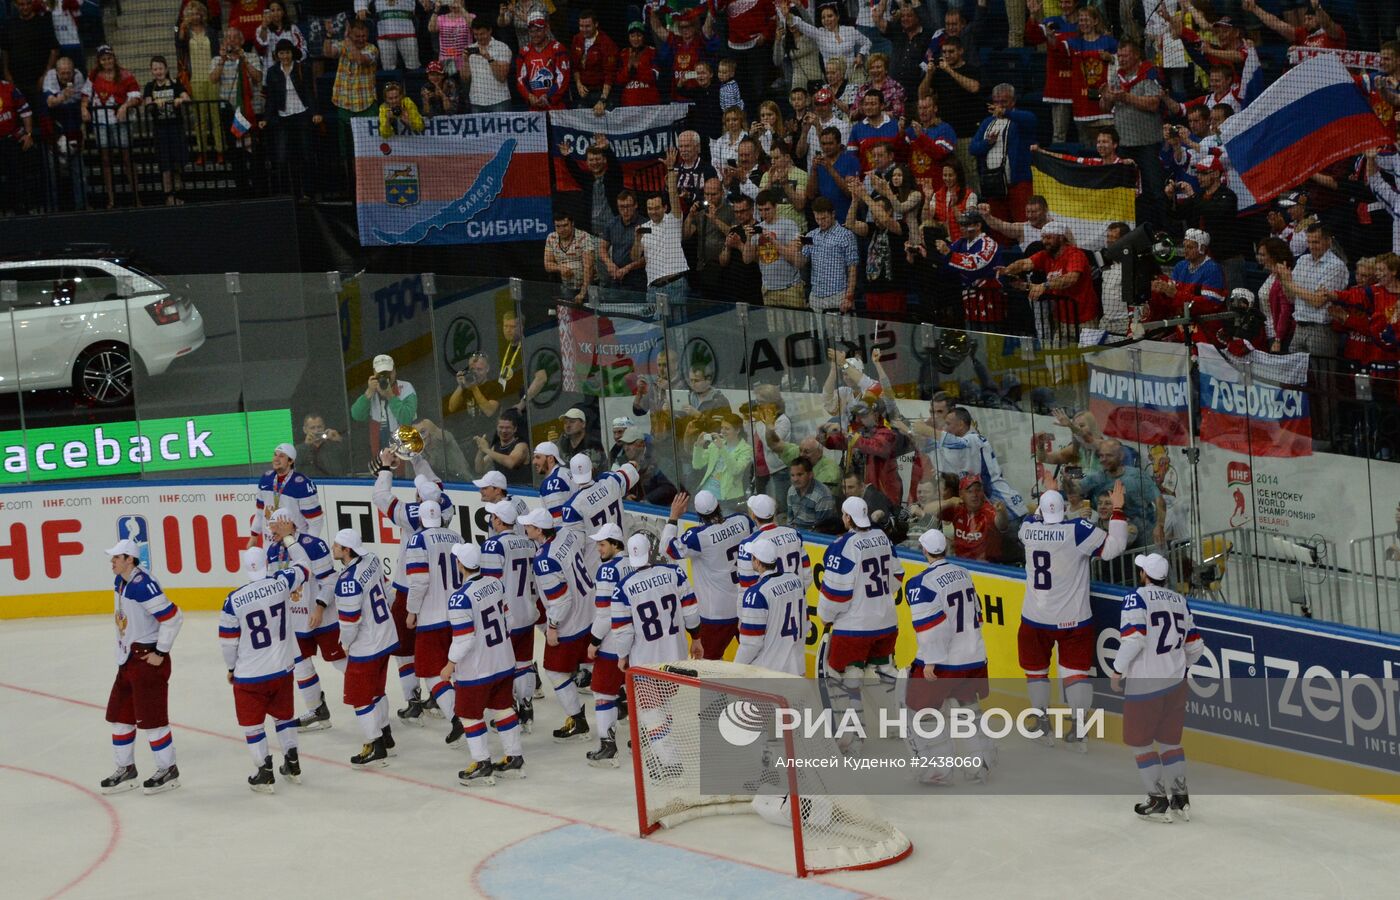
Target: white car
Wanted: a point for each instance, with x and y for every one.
(85, 323)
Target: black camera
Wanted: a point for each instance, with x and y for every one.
(806, 240)
(643, 229)
(444, 9)
(383, 379)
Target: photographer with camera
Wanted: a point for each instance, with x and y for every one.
(386, 403)
(397, 113)
(441, 96)
(322, 450)
(487, 70)
(740, 281)
(706, 228)
(770, 244)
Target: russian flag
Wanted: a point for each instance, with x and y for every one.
(1310, 118)
(241, 125)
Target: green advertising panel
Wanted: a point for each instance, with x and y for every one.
(131, 448)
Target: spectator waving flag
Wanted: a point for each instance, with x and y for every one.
(1085, 193)
(1310, 118)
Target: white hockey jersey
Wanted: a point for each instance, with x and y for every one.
(947, 616)
(773, 624)
(792, 555)
(1158, 641)
(564, 587)
(507, 556)
(600, 503)
(311, 552)
(143, 614)
(481, 650)
(610, 575)
(405, 515)
(859, 575)
(432, 575)
(972, 454)
(555, 491)
(712, 551)
(293, 492)
(1057, 568)
(256, 639)
(653, 610)
(367, 629)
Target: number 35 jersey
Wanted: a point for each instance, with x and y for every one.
(481, 647)
(858, 584)
(366, 627)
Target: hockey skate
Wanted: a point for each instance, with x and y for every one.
(478, 774)
(388, 735)
(1075, 743)
(412, 714)
(456, 733)
(319, 719)
(509, 767)
(263, 781)
(164, 780)
(1155, 809)
(291, 766)
(525, 712)
(573, 727)
(1043, 729)
(982, 774)
(372, 755)
(120, 781)
(1181, 801)
(605, 757)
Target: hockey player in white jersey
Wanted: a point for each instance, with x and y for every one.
(773, 614)
(792, 554)
(1157, 644)
(282, 487)
(507, 554)
(405, 518)
(259, 648)
(368, 635)
(556, 485)
(432, 577)
(950, 665)
(313, 628)
(607, 676)
(1056, 611)
(481, 667)
(565, 590)
(712, 548)
(495, 489)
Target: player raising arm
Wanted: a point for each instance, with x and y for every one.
(711, 547)
(432, 577)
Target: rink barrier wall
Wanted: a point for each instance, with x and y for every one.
(1320, 699)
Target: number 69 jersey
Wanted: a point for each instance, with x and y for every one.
(481, 648)
(947, 618)
(1158, 640)
(649, 609)
(858, 584)
(366, 627)
(256, 640)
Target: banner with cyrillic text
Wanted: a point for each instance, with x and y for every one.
(476, 179)
(1141, 394)
(1251, 416)
(636, 136)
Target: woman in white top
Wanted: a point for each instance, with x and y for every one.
(770, 123)
(833, 39)
(726, 147)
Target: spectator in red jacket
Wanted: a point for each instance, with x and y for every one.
(875, 443)
(594, 58)
(1068, 284)
(637, 74)
(977, 524)
(752, 24)
(543, 67)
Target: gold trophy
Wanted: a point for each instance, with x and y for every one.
(406, 444)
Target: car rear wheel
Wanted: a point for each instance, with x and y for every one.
(103, 374)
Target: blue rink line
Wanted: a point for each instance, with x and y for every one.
(584, 861)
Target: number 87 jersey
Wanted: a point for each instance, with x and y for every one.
(366, 627)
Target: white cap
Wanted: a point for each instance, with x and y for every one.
(427, 488)
(349, 538)
(934, 542)
(855, 508)
(608, 532)
(1055, 226)
(286, 450)
(706, 503)
(548, 448)
(1197, 235)
(124, 547)
(623, 422)
(492, 479)
(1154, 564)
(503, 510)
(539, 518)
(280, 514)
(762, 506)
(581, 468)
(1052, 507)
(254, 561)
(631, 434)
(638, 551)
(764, 550)
(574, 412)
(383, 363)
(853, 362)
(468, 554)
(430, 514)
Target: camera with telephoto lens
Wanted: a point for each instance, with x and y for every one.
(383, 379)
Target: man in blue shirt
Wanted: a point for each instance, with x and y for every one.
(1197, 270)
(1004, 143)
(831, 252)
(832, 167)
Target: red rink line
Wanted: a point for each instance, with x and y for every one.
(384, 773)
(113, 837)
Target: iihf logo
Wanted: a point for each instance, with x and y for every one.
(741, 723)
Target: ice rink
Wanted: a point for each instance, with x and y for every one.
(568, 830)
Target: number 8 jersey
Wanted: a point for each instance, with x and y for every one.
(366, 628)
(1057, 568)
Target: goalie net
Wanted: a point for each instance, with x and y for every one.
(674, 704)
